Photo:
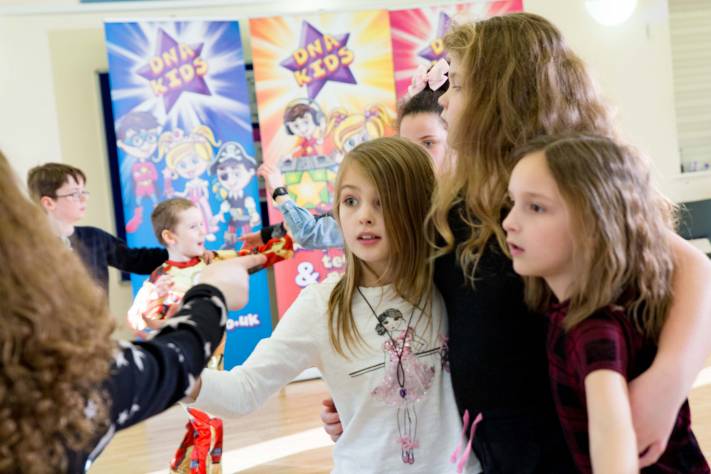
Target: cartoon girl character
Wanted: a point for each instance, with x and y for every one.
(406, 379)
(346, 131)
(137, 136)
(234, 169)
(188, 157)
(304, 118)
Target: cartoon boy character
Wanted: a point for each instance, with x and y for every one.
(137, 136)
(234, 169)
(304, 118)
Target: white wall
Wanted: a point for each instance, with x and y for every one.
(632, 63)
(49, 107)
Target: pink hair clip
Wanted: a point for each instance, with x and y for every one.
(434, 77)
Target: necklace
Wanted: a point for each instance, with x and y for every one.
(400, 370)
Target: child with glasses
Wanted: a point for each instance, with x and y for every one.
(59, 190)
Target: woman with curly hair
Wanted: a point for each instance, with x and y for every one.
(65, 386)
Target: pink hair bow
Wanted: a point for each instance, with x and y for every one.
(434, 77)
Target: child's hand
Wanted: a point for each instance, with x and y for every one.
(163, 286)
(231, 278)
(272, 177)
(251, 240)
(192, 396)
(152, 323)
(331, 420)
(208, 256)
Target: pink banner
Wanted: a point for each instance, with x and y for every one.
(417, 33)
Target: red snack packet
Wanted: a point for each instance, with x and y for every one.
(201, 449)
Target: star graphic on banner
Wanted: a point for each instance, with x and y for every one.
(309, 35)
(432, 52)
(308, 191)
(167, 46)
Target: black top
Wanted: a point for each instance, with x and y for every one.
(498, 364)
(149, 377)
(496, 345)
(99, 250)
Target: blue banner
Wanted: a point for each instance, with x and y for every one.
(183, 128)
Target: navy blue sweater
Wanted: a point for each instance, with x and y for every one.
(99, 250)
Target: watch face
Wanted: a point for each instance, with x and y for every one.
(280, 191)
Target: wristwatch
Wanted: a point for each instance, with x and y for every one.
(280, 191)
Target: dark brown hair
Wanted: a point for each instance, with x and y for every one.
(44, 180)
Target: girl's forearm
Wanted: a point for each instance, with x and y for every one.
(613, 446)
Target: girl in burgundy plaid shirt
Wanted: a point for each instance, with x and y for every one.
(587, 231)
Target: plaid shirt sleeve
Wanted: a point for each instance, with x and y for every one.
(599, 343)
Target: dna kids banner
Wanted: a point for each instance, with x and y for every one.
(417, 33)
(182, 120)
(324, 84)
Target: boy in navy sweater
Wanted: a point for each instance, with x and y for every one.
(59, 189)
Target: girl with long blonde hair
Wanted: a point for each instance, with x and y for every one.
(376, 333)
(65, 386)
(512, 78)
(587, 232)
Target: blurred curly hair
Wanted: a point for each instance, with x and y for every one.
(55, 341)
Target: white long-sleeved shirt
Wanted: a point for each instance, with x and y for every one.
(373, 420)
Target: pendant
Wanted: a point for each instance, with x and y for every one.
(403, 392)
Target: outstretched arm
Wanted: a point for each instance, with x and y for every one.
(274, 363)
(140, 260)
(658, 393)
(146, 378)
(307, 230)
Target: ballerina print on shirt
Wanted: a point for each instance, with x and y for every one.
(406, 378)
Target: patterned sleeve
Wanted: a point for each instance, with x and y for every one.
(149, 377)
(141, 260)
(599, 343)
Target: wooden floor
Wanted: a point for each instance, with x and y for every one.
(285, 435)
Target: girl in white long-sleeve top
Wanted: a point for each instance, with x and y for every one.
(377, 334)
